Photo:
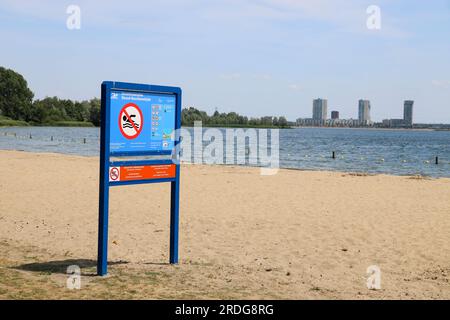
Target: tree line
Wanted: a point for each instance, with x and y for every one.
(17, 104)
(190, 115)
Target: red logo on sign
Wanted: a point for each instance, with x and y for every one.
(131, 121)
(114, 174)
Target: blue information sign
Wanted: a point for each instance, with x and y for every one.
(138, 120)
(142, 122)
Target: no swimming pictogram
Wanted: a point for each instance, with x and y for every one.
(114, 174)
(131, 121)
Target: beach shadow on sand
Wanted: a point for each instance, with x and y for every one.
(60, 266)
(157, 263)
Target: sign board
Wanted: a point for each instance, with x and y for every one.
(138, 120)
(131, 173)
(142, 122)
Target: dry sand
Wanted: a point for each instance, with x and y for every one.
(294, 235)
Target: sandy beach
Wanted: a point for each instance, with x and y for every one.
(294, 235)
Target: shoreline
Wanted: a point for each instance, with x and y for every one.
(368, 128)
(355, 173)
(90, 125)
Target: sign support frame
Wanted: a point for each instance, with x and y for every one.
(105, 163)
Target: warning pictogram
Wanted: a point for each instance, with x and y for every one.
(114, 174)
(131, 121)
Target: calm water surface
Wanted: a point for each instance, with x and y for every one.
(400, 152)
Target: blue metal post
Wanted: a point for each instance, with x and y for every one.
(174, 216)
(102, 258)
(175, 190)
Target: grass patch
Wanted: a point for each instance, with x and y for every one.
(68, 124)
(8, 122)
(46, 278)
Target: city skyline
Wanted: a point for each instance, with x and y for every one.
(320, 108)
(320, 116)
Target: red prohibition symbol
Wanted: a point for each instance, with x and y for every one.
(114, 174)
(131, 121)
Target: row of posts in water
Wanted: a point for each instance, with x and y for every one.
(333, 154)
(436, 159)
(30, 136)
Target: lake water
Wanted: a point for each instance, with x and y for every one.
(400, 152)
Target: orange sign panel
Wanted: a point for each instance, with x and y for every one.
(147, 172)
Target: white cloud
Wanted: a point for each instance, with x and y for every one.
(441, 83)
(101, 12)
(262, 76)
(232, 76)
(295, 87)
(169, 15)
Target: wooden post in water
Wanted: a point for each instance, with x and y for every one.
(51, 139)
(31, 137)
(437, 160)
(84, 140)
(333, 155)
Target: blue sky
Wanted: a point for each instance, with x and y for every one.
(266, 57)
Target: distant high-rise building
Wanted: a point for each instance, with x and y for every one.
(408, 112)
(334, 115)
(320, 109)
(364, 111)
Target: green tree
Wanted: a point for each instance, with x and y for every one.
(39, 111)
(275, 121)
(94, 112)
(267, 121)
(189, 116)
(51, 109)
(15, 96)
(282, 122)
(82, 111)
